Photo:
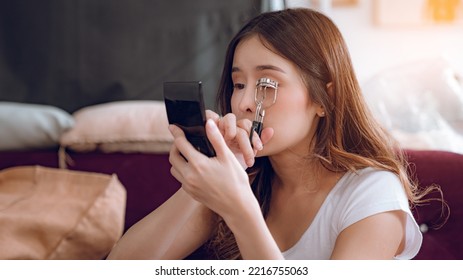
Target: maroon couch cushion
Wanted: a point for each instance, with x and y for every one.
(446, 170)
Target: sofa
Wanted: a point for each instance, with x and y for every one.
(441, 226)
(147, 180)
(130, 139)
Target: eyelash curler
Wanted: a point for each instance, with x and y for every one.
(265, 96)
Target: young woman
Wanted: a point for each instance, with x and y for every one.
(323, 181)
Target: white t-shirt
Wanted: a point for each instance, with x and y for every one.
(355, 197)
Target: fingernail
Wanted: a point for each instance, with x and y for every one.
(211, 124)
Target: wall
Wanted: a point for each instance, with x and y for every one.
(77, 53)
(374, 48)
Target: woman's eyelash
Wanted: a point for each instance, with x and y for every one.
(238, 86)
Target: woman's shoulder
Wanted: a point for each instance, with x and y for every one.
(370, 191)
(371, 174)
(370, 186)
(370, 179)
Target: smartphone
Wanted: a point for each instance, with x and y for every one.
(185, 108)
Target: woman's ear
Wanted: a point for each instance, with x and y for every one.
(321, 110)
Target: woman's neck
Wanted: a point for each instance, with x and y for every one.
(297, 172)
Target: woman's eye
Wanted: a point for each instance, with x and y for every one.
(238, 86)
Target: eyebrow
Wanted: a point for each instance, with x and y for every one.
(261, 68)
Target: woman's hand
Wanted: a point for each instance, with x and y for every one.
(236, 135)
(220, 183)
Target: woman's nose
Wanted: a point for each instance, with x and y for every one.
(247, 102)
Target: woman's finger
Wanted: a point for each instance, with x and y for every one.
(176, 159)
(266, 135)
(216, 139)
(248, 152)
(212, 115)
(176, 131)
(227, 126)
(256, 140)
(176, 174)
(244, 124)
(183, 146)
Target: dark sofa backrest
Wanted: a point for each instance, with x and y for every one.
(440, 240)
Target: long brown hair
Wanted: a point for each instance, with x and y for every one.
(348, 138)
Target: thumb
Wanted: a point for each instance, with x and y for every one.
(267, 134)
(216, 138)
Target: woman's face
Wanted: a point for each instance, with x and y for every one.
(293, 117)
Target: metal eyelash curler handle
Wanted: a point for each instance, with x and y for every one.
(257, 124)
(257, 128)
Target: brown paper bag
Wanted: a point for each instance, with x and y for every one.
(48, 213)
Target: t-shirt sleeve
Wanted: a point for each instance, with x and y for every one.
(372, 192)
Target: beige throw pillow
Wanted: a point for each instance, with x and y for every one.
(122, 126)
